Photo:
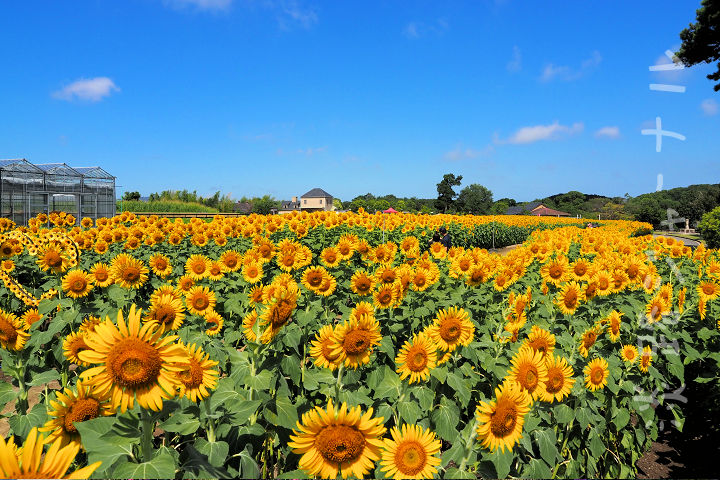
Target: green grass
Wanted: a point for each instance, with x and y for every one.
(163, 206)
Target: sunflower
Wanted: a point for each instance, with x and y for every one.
(344, 441)
(596, 374)
(31, 316)
(451, 328)
(614, 320)
(330, 257)
(279, 310)
(167, 310)
(215, 321)
(646, 358)
(629, 353)
(702, 308)
(589, 337)
(556, 271)
(541, 341)
(655, 310)
(13, 331)
(185, 283)
(328, 286)
(708, 290)
(73, 406)
(249, 321)
(417, 358)
(89, 324)
(363, 308)
(313, 277)
(256, 295)
(362, 283)
(25, 461)
(421, 280)
(386, 296)
(53, 257)
(7, 266)
(603, 283)
(355, 340)
(160, 265)
(197, 376)
(101, 275)
(500, 421)
(569, 297)
(200, 300)
(413, 452)
(560, 379)
(529, 371)
(128, 271)
(231, 260)
(196, 267)
(321, 348)
(386, 274)
(73, 344)
(252, 272)
(77, 284)
(580, 269)
(681, 299)
(133, 360)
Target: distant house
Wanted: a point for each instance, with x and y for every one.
(243, 207)
(537, 209)
(315, 200)
(288, 206)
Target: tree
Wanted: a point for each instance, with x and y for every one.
(475, 199)
(446, 195)
(648, 209)
(264, 205)
(131, 196)
(701, 40)
(337, 203)
(499, 207)
(709, 228)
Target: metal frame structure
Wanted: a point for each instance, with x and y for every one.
(27, 189)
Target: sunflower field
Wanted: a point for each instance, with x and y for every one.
(340, 344)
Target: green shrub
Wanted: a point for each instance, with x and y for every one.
(163, 206)
(709, 228)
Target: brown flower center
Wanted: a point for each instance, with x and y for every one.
(528, 376)
(133, 363)
(101, 275)
(555, 381)
(356, 342)
(504, 418)
(340, 443)
(78, 285)
(417, 358)
(131, 274)
(53, 259)
(450, 329)
(8, 334)
(83, 409)
(596, 376)
(410, 458)
(315, 278)
(555, 271)
(192, 375)
(165, 314)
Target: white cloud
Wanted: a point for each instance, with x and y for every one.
(420, 29)
(568, 74)
(709, 107)
(312, 151)
(200, 4)
(459, 153)
(608, 132)
(515, 65)
(293, 13)
(536, 133)
(92, 90)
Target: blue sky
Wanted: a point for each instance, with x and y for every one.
(254, 97)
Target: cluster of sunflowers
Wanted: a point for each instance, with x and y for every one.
(503, 334)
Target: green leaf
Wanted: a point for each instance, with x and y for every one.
(22, 424)
(547, 441)
(293, 474)
(456, 473)
(7, 393)
(248, 467)
(216, 452)
(291, 367)
(563, 413)
(389, 386)
(286, 412)
(161, 466)
(597, 447)
(459, 384)
(536, 468)
(409, 411)
(116, 294)
(622, 417)
(315, 376)
(260, 382)
(446, 417)
(44, 377)
(182, 423)
(440, 373)
(425, 397)
(502, 461)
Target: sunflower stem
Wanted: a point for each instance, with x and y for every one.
(211, 422)
(338, 384)
(468, 446)
(22, 402)
(146, 439)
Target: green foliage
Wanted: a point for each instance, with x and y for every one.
(163, 206)
(709, 228)
(446, 194)
(131, 196)
(701, 40)
(475, 199)
(264, 205)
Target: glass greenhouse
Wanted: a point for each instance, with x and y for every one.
(27, 189)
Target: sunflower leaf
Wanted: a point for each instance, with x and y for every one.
(182, 423)
(446, 417)
(216, 452)
(161, 466)
(547, 441)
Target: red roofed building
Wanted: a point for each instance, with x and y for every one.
(543, 211)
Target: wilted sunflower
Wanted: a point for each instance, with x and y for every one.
(569, 297)
(13, 331)
(200, 300)
(73, 344)
(344, 441)
(72, 406)
(196, 267)
(129, 272)
(321, 349)
(541, 340)
(101, 274)
(413, 452)
(646, 358)
(160, 265)
(362, 283)
(416, 358)
(596, 374)
(559, 381)
(134, 360)
(167, 310)
(355, 340)
(451, 328)
(198, 375)
(25, 461)
(214, 323)
(529, 371)
(77, 284)
(629, 353)
(500, 421)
